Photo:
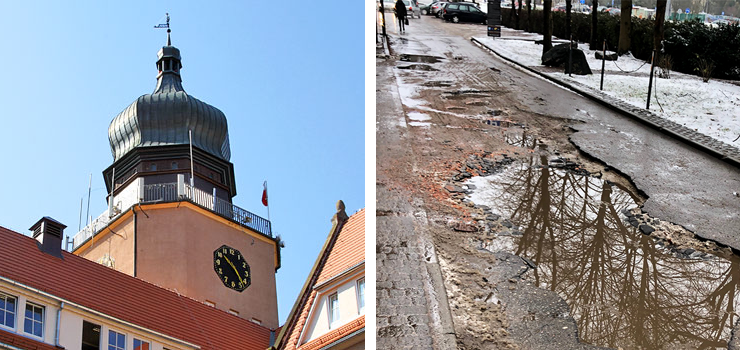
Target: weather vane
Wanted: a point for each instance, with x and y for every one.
(164, 25)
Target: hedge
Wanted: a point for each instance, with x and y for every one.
(686, 42)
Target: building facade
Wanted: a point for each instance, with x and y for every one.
(330, 310)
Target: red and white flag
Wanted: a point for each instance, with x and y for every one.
(264, 194)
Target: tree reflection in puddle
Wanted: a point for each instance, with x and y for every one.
(624, 289)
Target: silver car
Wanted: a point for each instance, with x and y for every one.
(437, 8)
(412, 8)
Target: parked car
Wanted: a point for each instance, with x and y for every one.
(463, 12)
(388, 5)
(424, 8)
(437, 8)
(412, 8)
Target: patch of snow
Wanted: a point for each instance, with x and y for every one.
(418, 116)
(712, 108)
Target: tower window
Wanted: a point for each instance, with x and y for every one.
(333, 310)
(116, 341)
(7, 310)
(34, 320)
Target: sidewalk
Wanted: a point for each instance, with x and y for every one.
(412, 309)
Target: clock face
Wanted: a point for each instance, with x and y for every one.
(231, 268)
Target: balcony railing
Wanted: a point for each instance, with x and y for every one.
(171, 192)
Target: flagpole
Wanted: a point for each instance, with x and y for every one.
(268, 203)
(192, 170)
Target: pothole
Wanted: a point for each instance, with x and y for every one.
(590, 245)
(419, 58)
(437, 83)
(423, 67)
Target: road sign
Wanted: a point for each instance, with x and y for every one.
(494, 18)
(687, 10)
(583, 1)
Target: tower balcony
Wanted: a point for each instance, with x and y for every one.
(165, 193)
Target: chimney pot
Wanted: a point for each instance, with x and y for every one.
(49, 232)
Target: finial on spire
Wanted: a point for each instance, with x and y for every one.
(166, 25)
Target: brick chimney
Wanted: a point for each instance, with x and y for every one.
(49, 232)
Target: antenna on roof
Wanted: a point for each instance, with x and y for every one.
(166, 25)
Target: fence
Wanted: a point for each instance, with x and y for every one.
(169, 192)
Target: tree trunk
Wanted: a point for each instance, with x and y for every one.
(513, 13)
(659, 21)
(530, 24)
(625, 27)
(594, 42)
(568, 7)
(519, 15)
(547, 30)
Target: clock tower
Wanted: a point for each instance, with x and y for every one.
(170, 218)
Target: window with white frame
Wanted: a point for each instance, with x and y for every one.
(333, 309)
(33, 322)
(361, 295)
(7, 310)
(141, 345)
(116, 341)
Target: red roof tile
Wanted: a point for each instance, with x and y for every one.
(22, 342)
(116, 294)
(347, 251)
(335, 334)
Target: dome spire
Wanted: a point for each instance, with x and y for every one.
(168, 65)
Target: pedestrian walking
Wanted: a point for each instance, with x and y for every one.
(400, 10)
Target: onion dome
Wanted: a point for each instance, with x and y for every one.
(165, 116)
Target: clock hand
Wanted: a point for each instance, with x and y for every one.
(235, 270)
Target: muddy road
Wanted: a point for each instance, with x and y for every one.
(543, 217)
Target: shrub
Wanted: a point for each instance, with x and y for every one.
(704, 67)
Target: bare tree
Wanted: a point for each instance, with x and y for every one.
(594, 22)
(530, 24)
(518, 15)
(625, 27)
(659, 21)
(568, 8)
(547, 31)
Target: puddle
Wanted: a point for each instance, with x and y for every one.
(420, 58)
(423, 67)
(625, 289)
(437, 83)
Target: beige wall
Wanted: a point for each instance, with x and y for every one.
(117, 242)
(346, 290)
(175, 249)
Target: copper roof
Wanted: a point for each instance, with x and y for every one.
(86, 283)
(165, 116)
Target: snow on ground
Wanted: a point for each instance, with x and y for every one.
(711, 108)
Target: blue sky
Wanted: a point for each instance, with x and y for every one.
(288, 75)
